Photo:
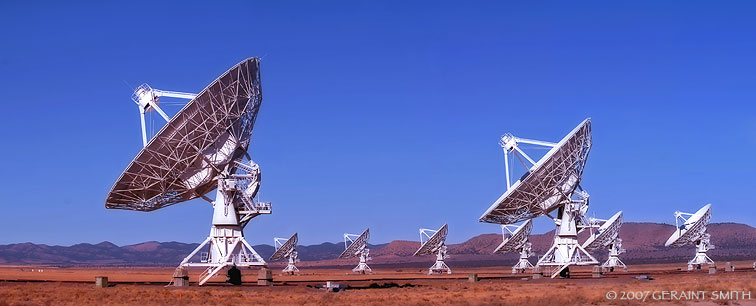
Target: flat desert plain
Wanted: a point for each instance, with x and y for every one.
(671, 284)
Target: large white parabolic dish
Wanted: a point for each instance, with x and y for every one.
(517, 239)
(285, 249)
(353, 249)
(692, 229)
(606, 233)
(181, 162)
(550, 181)
(434, 242)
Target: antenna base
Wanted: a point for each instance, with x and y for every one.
(439, 268)
(612, 263)
(523, 263)
(521, 266)
(290, 269)
(362, 267)
(615, 249)
(701, 258)
(227, 248)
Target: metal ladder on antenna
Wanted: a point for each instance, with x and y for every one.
(559, 270)
(208, 274)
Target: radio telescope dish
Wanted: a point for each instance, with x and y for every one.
(549, 184)
(435, 243)
(692, 230)
(286, 249)
(516, 240)
(210, 132)
(356, 245)
(203, 147)
(549, 181)
(607, 237)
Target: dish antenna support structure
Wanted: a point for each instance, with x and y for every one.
(515, 239)
(434, 241)
(606, 236)
(203, 147)
(286, 248)
(549, 184)
(356, 246)
(691, 229)
(148, 98)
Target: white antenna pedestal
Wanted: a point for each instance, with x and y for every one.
(523, 263)
(286, 249)
(440, 266)
(434, 241)
(362, 267)
(227, 246)
(693, 231)
(358, 247)
(566, 250)
(701, 258)
(291, 268)
(614, 262)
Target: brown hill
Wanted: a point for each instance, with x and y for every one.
(644, 243)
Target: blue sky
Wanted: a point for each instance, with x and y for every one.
(381, 114)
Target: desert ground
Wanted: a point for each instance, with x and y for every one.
(671, 284)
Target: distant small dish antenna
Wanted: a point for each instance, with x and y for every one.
(434, 241)
(286, 248)
(516, 240)
(606, 236)
(356, 246)
(692, 230)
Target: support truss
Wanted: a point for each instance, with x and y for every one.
(566, 250)
(226, 244)
(702, 246)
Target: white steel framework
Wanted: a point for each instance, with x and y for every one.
(615, 249)
(233, 207)
(203, 147)
(286, 248)
(549, 184)
(434, 241)
(691, 229)
(515, 239)
(566, 250)
(185, 158)
(356, 246)
(605, 235)
(148, 99)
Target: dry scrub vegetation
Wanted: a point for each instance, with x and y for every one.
(510, 291)
(454, 292)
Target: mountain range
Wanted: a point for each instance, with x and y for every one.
(644, 243)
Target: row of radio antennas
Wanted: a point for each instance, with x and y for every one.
(604, 235)
(564, 252)
(431, 241)
(571, 218)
